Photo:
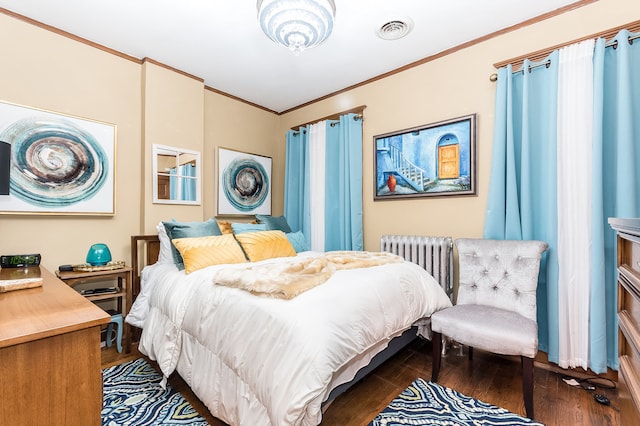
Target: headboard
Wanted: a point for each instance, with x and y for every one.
(144, 251)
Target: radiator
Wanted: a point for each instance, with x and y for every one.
(435, 254)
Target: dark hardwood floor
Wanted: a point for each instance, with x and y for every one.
(492, 379)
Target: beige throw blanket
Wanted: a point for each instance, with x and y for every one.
(287, 279)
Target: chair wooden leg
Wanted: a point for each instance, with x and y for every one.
(436, 340)
(527, 385)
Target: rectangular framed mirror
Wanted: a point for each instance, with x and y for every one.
(176, 175)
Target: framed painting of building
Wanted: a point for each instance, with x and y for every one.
(433, 160)
(244, 183)
(59, 164)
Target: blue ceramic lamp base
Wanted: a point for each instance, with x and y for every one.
(98, 255)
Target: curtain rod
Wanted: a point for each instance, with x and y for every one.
(355, 118)
(357, 110)
(539, 55)
(546, 63)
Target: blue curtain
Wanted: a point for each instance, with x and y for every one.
(616, 155)
(187, 189)
(296, 180)
(343, 183)
(522, 192)
(188, 182)
(173, 184)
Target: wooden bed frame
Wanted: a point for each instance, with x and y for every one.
(145, 250)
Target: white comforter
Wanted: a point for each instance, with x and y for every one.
(263, 361)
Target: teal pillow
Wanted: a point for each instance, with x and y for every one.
(298, 241)
(189, 229)
(239, 228)
(274, 223)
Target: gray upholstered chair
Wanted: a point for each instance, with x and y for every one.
(496, 306)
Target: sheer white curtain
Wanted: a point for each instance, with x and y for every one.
(317, 153)
(574, 195)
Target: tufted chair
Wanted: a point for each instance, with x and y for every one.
(496, 305)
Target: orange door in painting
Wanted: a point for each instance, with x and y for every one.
(449, 161)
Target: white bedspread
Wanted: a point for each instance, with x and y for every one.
(264, 361)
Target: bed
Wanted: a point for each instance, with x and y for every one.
(265, 360)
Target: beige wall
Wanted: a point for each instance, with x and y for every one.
(173, 115)
(44, 70)
(151, 104)
(452, 86)
(239, 126)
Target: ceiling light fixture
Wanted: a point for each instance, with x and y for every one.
(296, 24)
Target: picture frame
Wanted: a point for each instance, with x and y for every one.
(176, 174)
(433, 160)
(59, 164)
(244, 183)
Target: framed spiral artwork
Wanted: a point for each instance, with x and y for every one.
(59, 164)
(244, 183)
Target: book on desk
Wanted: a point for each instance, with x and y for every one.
(19, 278)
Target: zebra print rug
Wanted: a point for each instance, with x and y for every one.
(427, 403)
(132, 395)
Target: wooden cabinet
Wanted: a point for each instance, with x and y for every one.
(122, 295)
(628, 238)
(50, 367)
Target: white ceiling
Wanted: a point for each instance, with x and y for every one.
(221, 42)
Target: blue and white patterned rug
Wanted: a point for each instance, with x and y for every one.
(427, 403)
(132, 395)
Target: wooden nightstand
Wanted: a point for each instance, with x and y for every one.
(123, 294)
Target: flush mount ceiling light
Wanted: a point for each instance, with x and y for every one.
(297, 24)
(395, 29)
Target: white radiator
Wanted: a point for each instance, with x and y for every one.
(435, 254)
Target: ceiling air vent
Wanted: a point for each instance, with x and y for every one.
(395, 29)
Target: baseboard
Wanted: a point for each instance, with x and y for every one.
(542, 361)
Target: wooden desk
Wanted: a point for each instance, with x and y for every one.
(50, 367)
(123, 295)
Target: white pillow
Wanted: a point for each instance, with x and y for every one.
(165, 255)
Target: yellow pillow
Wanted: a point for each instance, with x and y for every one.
(225, 226)
(265, 245)
(200, 252)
